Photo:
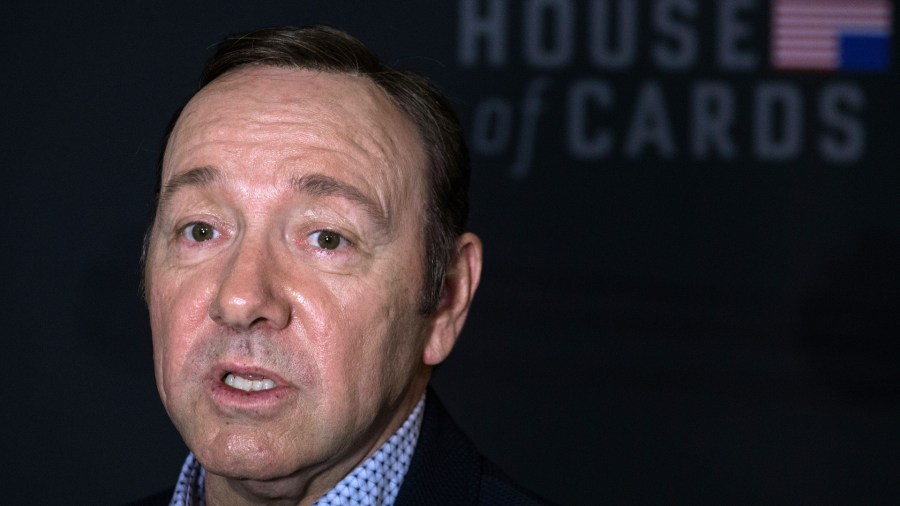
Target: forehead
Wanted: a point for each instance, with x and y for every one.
(296, 114)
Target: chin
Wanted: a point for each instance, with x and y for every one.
(244, 467)
(242, 457)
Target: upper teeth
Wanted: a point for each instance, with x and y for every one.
(248, 385)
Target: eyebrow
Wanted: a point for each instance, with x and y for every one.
(318, 185)
(321, 185)
(197, 177)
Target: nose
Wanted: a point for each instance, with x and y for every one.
(248, 294)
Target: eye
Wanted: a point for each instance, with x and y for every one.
(199, 232)
(327, 239)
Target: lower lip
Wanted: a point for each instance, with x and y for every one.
(260, 401)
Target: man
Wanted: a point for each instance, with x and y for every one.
(305, 269)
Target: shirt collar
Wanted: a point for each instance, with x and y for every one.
(376, 481)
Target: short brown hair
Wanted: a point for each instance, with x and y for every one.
(328, 49)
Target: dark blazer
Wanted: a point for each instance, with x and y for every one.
(446, 469)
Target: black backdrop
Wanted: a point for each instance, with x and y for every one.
(691, 285)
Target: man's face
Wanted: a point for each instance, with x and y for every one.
(285, 270)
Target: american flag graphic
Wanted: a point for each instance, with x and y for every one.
(831, 35)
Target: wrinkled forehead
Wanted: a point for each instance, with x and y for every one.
(278, 105)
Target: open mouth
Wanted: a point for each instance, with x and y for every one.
(251, 384)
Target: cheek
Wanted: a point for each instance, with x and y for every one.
(178, 309)
(380, 339)
(179, 300)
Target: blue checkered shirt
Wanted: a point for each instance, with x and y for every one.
(375, 482)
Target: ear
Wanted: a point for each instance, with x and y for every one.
(460, 283)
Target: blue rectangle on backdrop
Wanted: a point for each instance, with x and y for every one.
(868, 52)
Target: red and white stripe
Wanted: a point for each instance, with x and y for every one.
(804, 33)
